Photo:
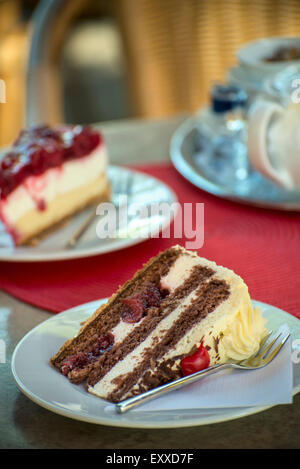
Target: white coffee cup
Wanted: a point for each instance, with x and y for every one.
(253, 68)
(274, 142)
(254, 55)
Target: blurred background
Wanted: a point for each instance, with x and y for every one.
(84, 61)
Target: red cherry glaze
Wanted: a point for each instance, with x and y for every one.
(136, 306)
(196, 362)
(42, 147)
(9, 160)
(41, 205)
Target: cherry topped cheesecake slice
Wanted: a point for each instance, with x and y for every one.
(49, 174)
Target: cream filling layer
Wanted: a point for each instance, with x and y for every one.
(123, 329)
(53, 182)
(180, 270)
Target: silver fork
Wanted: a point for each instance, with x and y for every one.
(266, 353)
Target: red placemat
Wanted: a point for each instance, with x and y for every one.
(262, 246)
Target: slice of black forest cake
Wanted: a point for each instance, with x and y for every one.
(180, 313)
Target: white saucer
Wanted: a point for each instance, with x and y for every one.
(51, 390)
(200, 169)
(139, 188)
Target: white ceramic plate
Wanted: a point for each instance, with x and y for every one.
(140, 190)
(51, 390)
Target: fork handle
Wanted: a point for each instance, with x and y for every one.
(135, 401)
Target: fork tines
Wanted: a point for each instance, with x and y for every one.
(268, 351)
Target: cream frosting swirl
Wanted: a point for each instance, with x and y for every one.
(242, 337)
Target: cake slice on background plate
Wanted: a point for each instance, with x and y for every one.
(48, 175)
(179, 314)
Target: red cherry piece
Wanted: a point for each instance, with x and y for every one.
(82, 141)
(21, 172)
(196, 362)
(7, 183)
(81, 359)
(74, 361)
(152, 295)
(103, 343)
(37, 160)
(136, 306)
(134, 309)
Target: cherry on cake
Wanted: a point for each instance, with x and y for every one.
(179, 314)
(48, 175)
